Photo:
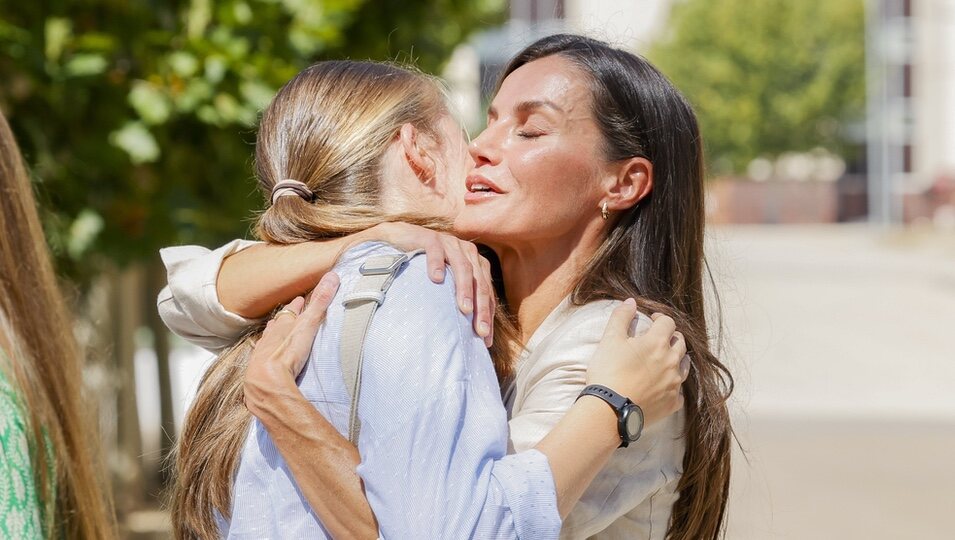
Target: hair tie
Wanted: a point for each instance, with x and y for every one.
(291, 187)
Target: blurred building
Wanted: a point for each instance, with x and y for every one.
(911, 108)
(475, 67)
(908, 174)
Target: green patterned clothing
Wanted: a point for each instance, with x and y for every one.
(20, 511)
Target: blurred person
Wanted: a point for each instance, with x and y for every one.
(342, 146)
(579, 134)
(51, 480)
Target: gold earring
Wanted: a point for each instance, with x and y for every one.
(603, 211)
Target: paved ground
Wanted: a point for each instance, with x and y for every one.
(842, 339)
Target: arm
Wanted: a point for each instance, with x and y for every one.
(526, 479)
(576, 449)
(213, 297)
(243, 291)
(189, 305)
(240, 285)
(653, 382)
(302, 435)
(570, 362)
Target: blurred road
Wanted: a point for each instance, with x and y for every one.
(843, 342)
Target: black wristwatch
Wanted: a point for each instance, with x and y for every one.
(629, 414)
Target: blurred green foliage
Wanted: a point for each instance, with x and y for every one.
(768, 76)
(137, 117)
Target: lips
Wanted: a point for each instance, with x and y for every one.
(480, 189)
(476, 183)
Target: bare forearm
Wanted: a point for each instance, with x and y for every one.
(255, 280)
(578, 448)
(322, 462)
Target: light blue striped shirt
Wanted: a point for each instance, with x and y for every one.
(434, 431)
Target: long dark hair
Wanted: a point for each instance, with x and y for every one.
(654, 251)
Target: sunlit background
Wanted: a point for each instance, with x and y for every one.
(830, 135)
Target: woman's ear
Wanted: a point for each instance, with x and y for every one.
(633, 181)
(417, 155)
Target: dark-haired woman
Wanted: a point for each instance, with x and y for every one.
(51, 481)
(588, 187)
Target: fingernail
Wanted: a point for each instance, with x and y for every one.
(467, 305)
(438, 274)
(630, 302)
(483, 329)
(328, 281)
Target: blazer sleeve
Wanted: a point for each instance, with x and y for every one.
(556, 379)
(189, 305)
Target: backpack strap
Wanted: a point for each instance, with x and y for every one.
(377, 275)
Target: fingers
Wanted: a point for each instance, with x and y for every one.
(678, 344)
(483, 292)
(463, 273)
(434, 252)
(488, 315)
(662, 328)
(685, 366)
(620, 319)
(293, 351)
(318, 302)
(282, 322)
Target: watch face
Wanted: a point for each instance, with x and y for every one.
(634, 424)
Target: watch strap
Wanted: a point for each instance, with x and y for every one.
(621, 405)
(614, 399)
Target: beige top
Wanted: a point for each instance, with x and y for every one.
(632, 497)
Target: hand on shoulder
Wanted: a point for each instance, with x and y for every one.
(649, 368)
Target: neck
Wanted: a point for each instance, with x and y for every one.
(539, 275)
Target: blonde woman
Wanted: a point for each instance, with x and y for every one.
(51, 482)
(343, 146)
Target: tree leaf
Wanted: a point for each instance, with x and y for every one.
(150, 103)
(136, 140)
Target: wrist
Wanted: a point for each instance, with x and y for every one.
(263, 388)
(352, 240)
(382, 232)
(601, 418)
(629, 415)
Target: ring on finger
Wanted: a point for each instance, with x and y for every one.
(285, 311)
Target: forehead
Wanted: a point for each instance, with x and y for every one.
(552, 78)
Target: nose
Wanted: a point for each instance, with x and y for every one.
(484, 149)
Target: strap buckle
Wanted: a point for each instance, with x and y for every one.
(379, 266)
(367, 296)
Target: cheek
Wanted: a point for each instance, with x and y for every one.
(457, 166)
(557, 178)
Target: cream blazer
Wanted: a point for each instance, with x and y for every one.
(631, 498)
(633, 495)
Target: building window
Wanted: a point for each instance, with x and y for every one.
(537, 11)
(907, 80)
(907, 158)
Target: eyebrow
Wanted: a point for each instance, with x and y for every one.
(528, 106)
